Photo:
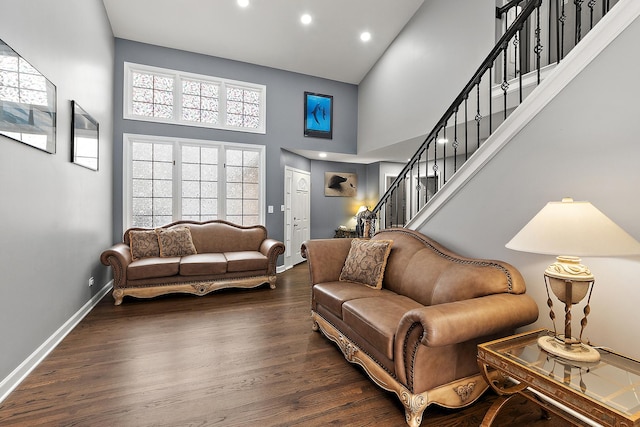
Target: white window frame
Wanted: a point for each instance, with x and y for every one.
(127, 144)
(178, 76)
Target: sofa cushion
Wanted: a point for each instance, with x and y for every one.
(376, 319)
(148, 268)
(246, 261)
(220, 236)
(202, 264)
(175, 242)
(143, 244)
(366, 262)
(332, 295)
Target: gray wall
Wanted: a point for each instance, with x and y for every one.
(329, 212)
(423, 70)
(56, 217)
(584, 144)
(285, 92)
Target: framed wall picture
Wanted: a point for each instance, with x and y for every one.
(340, 184)
(27, 102)
(84, 138)
(318, 115)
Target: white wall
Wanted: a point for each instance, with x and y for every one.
(584, 144)
(424, 69)
(56, 217)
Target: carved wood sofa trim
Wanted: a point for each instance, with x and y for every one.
(195, 288)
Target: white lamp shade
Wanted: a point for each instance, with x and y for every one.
(573, 228)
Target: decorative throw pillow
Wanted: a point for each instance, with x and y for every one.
(175, 242)
(143, 244)
(366, 262)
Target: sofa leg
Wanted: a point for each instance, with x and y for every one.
(414, 406)
(118, 295)
(272, 282)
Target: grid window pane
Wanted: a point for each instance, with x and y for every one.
(234, 157)
(151, 184)
(199, 101)
(190, 207)
(209, 190)
(242, 186)
(234, 190)
(250, 175)
(152, 95)
(199, 178)
(209, 155)
(243, 108)
(234, 207)
(251, 191)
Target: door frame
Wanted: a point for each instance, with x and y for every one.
(288, 220)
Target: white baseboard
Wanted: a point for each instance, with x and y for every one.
(281, 268)
(20, 373)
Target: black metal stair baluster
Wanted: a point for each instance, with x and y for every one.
(505, 84)
(415, 192)
(490, 98)
(403, 207)
(394, 205)
(435, 157)
(455, 141)
(466, 128)
(578, 4)
(549, 32)
(557, 22)
(562, 19)
(538, 49)
(478, 115)
(418, 199)
(591, 5)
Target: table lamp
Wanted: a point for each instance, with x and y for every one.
(569, 230)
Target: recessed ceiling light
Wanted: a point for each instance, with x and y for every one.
(323, 155)
(365, 36)
(243, 3)
(442, 140)
(306, 19)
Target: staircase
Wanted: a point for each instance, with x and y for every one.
(538, 34)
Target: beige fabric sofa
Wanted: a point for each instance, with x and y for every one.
(212, 255)
(417, 336)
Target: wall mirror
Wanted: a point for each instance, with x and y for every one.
(84, 138)
(27, 102)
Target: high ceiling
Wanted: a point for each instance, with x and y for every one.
(269, 32)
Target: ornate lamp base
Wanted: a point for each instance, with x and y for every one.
(578, 352)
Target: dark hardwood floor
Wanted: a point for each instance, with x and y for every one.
(232, 358)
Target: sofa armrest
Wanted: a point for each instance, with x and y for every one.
(272, 249)
(460, 321)
(118, 257)
(423, 329)
(326, 258)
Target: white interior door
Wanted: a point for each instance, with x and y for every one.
(297, 209)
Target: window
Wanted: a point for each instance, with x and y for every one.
(168, 96)
(166, 180)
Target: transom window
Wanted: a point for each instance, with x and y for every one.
(167, 180)
(168, 96)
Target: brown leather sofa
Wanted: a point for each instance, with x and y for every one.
(220, 255)
(417, 336)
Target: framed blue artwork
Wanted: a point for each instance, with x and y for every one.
(318, 115)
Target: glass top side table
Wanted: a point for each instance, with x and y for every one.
(607, 392)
